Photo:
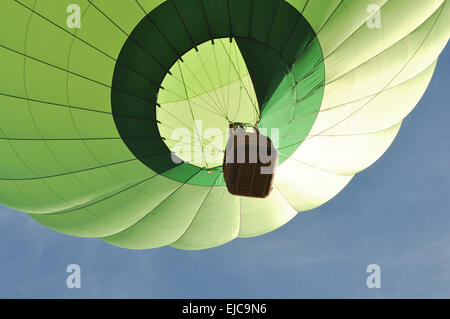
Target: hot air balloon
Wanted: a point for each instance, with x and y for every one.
(114, 122)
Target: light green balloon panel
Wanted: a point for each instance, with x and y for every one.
(88, 114)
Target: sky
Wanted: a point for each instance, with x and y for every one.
(395, 214)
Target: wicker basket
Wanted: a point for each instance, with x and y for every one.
(249, 163)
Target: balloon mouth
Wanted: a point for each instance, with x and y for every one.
(206, 89)
(186, 71)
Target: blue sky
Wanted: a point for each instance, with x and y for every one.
(395, 214)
